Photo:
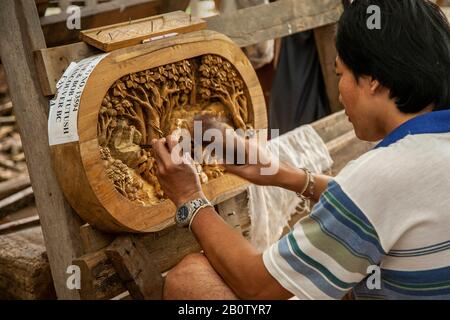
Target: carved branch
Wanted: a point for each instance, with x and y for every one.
(134, 97)
(242, 100)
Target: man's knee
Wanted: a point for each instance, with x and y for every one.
(180, 278)
(191, 263)
(195, 278)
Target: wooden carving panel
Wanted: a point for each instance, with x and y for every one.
(139, 93)
(156, 102)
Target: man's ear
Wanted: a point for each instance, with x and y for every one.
(375, 85)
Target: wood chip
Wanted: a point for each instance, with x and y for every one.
(8, 164)
(19, 224)
(18, 157)
(7, 120)
(12, 186)
(6, 108)
(7, 174)
(5, 131)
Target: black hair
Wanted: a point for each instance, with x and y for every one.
(409, 54)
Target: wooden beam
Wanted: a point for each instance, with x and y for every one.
(20, 36)
(275, 20)
(52, 62)
(93, 239)
(333, 126)
(136, 268)
(325, 44)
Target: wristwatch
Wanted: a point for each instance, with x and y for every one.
(186, 212)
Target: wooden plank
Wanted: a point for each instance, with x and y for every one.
(136, 268)
(127, 34)
(9, 187)
(59, 223)
(333, 126)
(51, 63)
(325, 44)
(16, 201)
(93, 239)
(56, 32)
(275, 20)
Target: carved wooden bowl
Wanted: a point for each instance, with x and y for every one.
(144, 92)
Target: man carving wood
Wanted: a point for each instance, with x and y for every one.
(387, 209)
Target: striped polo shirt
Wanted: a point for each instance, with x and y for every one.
(382, 227)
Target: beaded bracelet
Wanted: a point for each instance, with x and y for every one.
(309, 185)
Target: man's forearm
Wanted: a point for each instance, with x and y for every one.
(234, 258)
(294, 179)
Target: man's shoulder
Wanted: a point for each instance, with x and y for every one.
(399, 185)
(396, 163)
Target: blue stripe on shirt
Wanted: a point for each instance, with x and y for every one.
(304, 269)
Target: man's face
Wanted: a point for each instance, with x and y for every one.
(360, 103)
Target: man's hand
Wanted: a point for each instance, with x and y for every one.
(233, 144)
(176, 173)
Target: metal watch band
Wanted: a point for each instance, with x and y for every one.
(193, 207)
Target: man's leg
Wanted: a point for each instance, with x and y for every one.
(195, 279)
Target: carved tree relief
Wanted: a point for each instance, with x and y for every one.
(152, 104)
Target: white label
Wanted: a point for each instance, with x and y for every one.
(62, 121)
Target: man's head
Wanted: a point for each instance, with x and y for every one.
(403, 68)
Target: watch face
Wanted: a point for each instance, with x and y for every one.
(182, 213)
